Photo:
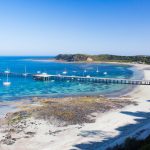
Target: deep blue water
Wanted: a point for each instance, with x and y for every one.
(26, 87)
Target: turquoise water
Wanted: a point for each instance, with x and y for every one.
(27, 87)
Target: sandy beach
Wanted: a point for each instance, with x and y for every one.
(110, 128)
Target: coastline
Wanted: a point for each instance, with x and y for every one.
(88, 62)
(106, 126)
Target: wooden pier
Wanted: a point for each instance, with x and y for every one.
(47, 77)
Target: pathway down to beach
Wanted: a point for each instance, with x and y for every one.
(110, 128)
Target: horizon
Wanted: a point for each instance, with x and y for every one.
(51, 27)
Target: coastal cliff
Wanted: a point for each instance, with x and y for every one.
(109, 58)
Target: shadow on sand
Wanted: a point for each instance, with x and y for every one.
(144, 118)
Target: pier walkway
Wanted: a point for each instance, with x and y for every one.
(48, 77)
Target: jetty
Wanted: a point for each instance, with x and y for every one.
(59, 77)
(47, 77)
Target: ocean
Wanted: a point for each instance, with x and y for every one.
(22, 87)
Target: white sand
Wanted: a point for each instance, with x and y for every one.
(110, 128)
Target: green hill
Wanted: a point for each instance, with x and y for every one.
(108, 58)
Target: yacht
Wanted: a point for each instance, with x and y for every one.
(7, 83)
(88, 76)
(25, 72)
(85, 70)
(97, 70)
(105, 73)
(7, 71)
(65, 71)
(38, 72)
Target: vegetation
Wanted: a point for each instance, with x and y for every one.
(71, 110)
(108, 58)
(133, 144)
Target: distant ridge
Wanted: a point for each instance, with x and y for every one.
(104, 57)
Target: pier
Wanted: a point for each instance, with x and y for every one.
(49, 77)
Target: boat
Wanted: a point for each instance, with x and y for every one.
(88, 76)
(7, 71)
(105, 73)
(65, 71)
(44, 73)
(25, 72)
(74, 71)
(97, 70)
(38, 72)
(85, 70)
(7, 83)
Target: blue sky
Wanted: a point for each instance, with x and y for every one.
(50, 27)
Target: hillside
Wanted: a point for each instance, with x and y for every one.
(108, 58)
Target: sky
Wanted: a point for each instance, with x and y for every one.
(50, 27)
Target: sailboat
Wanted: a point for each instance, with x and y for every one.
(7, 71)
(105, 73)
(7, 83)
(65, 71)
(25, 72)
(97, 70)
(85, 70)
(38, 72)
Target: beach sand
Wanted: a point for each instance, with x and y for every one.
(109, 129)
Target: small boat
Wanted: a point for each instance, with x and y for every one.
(7, 71)
(65, 71)
(97, 70)
(25, 72)
(38, 72)
(85, 70)
(88, 76)
(7, 83)
(44, 73)
(105, 73)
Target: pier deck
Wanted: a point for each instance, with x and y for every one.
(47, 77)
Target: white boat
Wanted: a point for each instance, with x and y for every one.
(65, 71)
(38, 72)
(85, 70)
(7, 71)
(44, 73)
(7, 83)
(97, 70)
(105, 73)
(25, 72)
(88, 76)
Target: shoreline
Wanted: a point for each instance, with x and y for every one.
(90, 62)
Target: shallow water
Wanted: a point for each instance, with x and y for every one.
(26, 87)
